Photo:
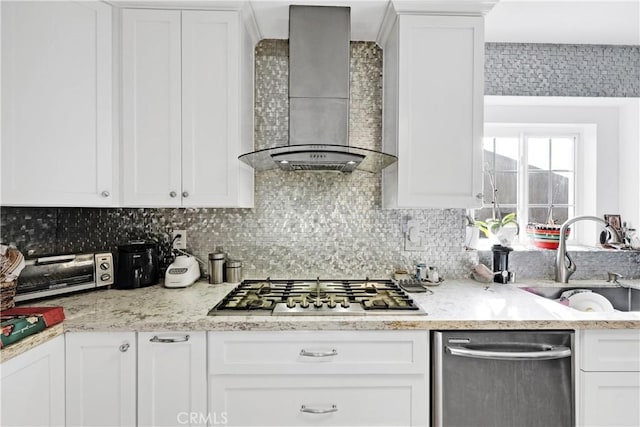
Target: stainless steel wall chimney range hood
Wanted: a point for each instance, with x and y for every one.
(319, 38)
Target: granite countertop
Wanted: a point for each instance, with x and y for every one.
(455, 304)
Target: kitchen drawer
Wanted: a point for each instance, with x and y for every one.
(317, 352)
(609, 399)
(347, 400)
(610, 350)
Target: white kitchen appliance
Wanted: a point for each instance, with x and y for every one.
(182, 272)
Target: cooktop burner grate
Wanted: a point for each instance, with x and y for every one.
(316, 297)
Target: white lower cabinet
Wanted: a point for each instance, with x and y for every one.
(609, 378)
(120, 379)
(610, 399)
(101, 379)
(172, 379)
(354, 378)
(33, 387)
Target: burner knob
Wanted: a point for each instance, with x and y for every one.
(304, 303)
(318, 303)
(331, 303)
(290, 302)
(345, 303)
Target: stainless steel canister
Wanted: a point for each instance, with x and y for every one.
(216, 267)
(234, 271)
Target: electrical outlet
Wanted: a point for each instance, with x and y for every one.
(180, 242)
(414, 237)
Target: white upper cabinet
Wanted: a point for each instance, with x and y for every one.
(151, 113)
(187, 113)
(57, 146)
(432, 111)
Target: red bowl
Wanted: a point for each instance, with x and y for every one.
(545, 236)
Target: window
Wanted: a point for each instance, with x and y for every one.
(533, 175)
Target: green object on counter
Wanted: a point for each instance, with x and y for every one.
(20, 327)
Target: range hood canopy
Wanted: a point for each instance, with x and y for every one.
(319, 50)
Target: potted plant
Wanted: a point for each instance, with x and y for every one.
(503, 229)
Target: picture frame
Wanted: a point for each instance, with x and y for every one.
(614, 221)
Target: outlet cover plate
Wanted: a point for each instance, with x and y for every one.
(414, 237)
(180, 242)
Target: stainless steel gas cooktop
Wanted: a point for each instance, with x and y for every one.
(316, 298)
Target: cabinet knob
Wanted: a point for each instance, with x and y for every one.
(173, 194)
(124, 347)
(185, 194)
(479, 196)
(105, 193)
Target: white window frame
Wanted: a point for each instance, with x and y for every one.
(523, 132)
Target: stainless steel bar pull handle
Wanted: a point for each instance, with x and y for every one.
(306, 353)
(553, 352)
(333, 408)
(169, 340)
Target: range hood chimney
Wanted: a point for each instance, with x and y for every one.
(319, 48)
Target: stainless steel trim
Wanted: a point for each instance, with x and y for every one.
(307, 410)
(124, 347)
(306, 353)
(55, 259)
(554, 352)
(438, 383)
(459, 340)
(169, 340)
(51, 292)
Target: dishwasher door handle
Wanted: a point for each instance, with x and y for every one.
(552, 352)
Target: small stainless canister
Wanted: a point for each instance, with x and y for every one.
(216, 267)
(234, 271)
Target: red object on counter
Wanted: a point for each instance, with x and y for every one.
(18, 323)
(51, 315)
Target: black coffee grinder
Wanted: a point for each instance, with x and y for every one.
(501, 263)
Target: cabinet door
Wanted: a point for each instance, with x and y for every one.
(33, 387)
(435, 126)
(311, 400)
(310, 352)
(57, 147)
(210, 108)
(172, 379)
(610, 350)
(101, 379)
(151, 110)
(609, 399)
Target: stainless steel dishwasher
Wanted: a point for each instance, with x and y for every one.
(502, 379)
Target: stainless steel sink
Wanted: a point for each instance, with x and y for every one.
(621, 297)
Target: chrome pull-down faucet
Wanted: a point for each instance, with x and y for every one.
(565, 266)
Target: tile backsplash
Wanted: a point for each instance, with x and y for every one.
(303, 224)
(543, 69)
